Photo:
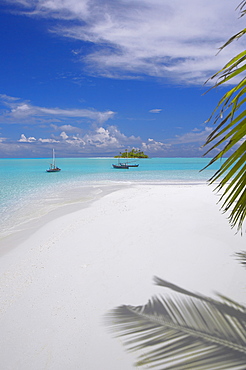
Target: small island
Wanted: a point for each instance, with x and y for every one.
(134, 153)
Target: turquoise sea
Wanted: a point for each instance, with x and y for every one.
(27, 191)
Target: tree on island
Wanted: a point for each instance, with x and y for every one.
(134, 153)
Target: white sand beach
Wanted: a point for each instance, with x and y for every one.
(58, 282)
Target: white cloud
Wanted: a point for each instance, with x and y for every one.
(23, 138)
(63, 135)
(153, 146)
(68, 128)
(48, 140)
(106, 141)
(23, 111)
(99, 140)
(155, 110)
(195, 136)
(161, 38)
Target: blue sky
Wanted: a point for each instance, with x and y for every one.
(93, 77)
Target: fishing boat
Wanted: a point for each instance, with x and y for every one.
(132, 165)
(121, 165)
(125, 165)
(53, 167)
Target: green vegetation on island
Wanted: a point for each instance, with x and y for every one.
(134, 153)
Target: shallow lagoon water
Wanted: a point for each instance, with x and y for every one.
(27, 191)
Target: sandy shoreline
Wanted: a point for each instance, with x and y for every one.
(57, 284)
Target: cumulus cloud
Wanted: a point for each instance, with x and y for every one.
(63, 135)
(31, 139)
(25, 139)
(98, 140)
(19, 111)
(153, 146)
(170, 39)
(106, 141)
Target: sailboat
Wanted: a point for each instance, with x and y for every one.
(53, 167)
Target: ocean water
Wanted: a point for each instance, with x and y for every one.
(27, 191)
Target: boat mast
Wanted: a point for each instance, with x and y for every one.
(53, 157)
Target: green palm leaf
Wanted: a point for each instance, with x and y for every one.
(229, 135)
(184, 331)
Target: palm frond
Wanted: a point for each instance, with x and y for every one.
(241, 6)
(230, 134)
(241, 256)
(184, 331)
(229, 309)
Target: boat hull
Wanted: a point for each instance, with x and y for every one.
(54, 170)
(119, 166)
